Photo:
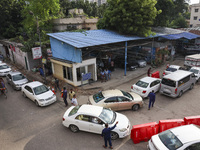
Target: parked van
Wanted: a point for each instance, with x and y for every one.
(176, 83)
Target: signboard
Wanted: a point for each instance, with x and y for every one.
(37, 53)
(44, 61)
(86, 76)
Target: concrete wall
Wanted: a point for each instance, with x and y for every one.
(79, 23)
(57, 67)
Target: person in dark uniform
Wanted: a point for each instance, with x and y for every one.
(152, 98)
(149, 72)
(106, 134)
(65, 96)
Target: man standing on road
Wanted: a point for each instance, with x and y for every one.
(107, 136)
(152, 98)
(149, 72)
(65, 96)
(74, 100)
(71, 94)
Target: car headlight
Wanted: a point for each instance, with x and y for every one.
(17, 84)
(41, 100)
(122, 130)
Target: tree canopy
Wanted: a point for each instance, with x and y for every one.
(173, 11)
(11, 18)
(129, 16)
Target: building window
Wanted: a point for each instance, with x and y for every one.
(79, 71)
(195, 17)
(67, 73)
(196, 10)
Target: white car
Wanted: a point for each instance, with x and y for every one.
(196, 71)
(38, 93)
(93, 118)
(172, 68)
(185, 137)
(146, 85)
(4, 69)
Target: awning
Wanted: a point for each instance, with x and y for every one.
(186, 35)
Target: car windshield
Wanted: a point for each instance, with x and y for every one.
(194, 71)
(168, 82)
(170, 140)
(107, 115)
(18, 77)
(98, 97)
(171, 69)
(127, 95)
(3, 67)
(40, 89)
(142, 84)
(74, 110)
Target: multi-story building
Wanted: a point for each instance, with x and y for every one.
(99, 2)
(195, 15)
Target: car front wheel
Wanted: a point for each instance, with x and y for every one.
(74, 128)
(36, 103)
(191, 86)
(114, 135)
(24, 95)
(135, 107)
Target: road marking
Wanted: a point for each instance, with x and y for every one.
(124, 141)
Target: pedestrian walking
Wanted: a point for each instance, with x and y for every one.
(107, 136)
(152, 98)
(106, 74)
(57, 85)
(71, 94)
(74, 101)
(65, 96)
(112, 65)
(109, 74)
(102, 75)
(149, 72)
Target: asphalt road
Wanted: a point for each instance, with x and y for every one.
(23, 125)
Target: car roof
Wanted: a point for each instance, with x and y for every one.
(114, 92)
(90, 110)
(197, 68)
(187, 133)
(149, 79)
(34, 84)
(3, 64)
(174, 66)
(15, 72)
(177, 75)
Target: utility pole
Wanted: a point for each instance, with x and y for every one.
(38, 32)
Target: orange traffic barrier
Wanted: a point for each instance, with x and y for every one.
(144, 132)
(156, 74)
(168, 124)
(192, 120)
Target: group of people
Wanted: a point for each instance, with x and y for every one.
(72, 94)
(105, 75)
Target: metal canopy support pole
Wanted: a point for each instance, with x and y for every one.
(125, 58)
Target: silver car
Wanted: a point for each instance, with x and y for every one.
(16, 80)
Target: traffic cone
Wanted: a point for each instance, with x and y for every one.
(53, 90)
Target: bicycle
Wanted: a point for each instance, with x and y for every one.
(3, 91)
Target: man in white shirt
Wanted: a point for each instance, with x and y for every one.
(74, 101)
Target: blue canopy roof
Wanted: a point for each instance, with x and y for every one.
(92, 38)
(102, 37)
(186, 35)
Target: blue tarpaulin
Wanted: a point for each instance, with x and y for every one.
(186, 35)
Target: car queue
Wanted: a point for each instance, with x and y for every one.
(93, 118)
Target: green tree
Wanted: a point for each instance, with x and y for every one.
(11, 18)
(179, 22)
(129, 16)
(171, 10)
(38, 15)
